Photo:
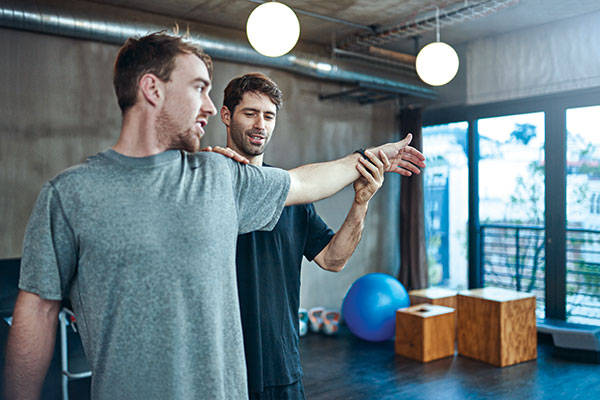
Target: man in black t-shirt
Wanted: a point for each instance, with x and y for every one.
(268, 263)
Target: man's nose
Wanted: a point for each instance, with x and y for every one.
(259, 122)
(208, 107)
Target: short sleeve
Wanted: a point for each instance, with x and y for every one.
(319, 234)
(260, 196)
(49, 249)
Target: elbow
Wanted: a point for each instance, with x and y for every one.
(31, 303)
(335, 265)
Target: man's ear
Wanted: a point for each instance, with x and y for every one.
(225, 116)
(151, 89)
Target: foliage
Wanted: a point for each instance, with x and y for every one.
(590, 165)
(524, 255)
(528, 195)
(523, 133)
(434, 242)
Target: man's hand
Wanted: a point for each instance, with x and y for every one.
(227, 152)
(338, 251)
(371, 176)
(404, 159)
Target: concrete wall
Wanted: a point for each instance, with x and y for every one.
(547, 59)
(57, 107)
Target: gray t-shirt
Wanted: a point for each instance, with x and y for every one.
(145, 250)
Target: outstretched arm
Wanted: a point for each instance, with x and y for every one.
(30, 345)
(341, 246)
(315, 182)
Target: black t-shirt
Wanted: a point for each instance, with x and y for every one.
(268, 274)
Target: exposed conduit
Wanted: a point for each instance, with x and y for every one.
(108, 24)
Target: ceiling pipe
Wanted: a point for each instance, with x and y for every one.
(370, 28)
(113, 25)
(402, 58)
(379, 60)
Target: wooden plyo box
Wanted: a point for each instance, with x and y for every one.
(438, 296)
(425, 332)
(497, 326)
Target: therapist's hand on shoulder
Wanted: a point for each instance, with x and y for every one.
(227, 152)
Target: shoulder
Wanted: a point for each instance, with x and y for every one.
(78, 172)
(205, 156)
(209, 159)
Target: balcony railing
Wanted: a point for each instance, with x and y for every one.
(513, 257)
(583, 276)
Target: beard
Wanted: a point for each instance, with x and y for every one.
(187, 140)
(183, 139)
(241, 140)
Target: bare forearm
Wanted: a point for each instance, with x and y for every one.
(29, 347)
(318, 181)
(342, 245)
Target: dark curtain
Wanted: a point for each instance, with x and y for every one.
(413, 261)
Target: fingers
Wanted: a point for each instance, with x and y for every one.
(239, 158)
(366, 175)
(372, 170)
(375, 165)
(409, 166)
(385, 160)
(404, 171)
(368, 184)
(412, 160)
(207, 148)
(227, 152)
(414, 152)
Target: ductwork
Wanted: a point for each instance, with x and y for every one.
(108, 24)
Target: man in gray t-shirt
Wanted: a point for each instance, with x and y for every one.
(141, 239)
(142, 247)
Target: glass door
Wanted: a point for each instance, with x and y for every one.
(511, 203)
(446, 204)
(583, 215)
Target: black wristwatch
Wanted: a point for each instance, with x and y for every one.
(362, 153)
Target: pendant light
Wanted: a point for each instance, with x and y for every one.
(273, 29)
(437, 63)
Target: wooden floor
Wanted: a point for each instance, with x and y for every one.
(345, 367)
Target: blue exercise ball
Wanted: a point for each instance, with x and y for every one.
(369, 307)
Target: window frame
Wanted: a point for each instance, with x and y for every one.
(554, 107)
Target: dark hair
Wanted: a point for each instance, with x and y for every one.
(254, 82)
(154, 54)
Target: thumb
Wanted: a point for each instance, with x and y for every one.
(406, 141)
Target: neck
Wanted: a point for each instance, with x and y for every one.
(256, 160)
(138, 136)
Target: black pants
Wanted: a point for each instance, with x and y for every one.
(294, 391)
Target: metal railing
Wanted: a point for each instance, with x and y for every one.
(513, 257)
(583, 276)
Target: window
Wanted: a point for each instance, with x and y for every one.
(446, 204)
(511, 203)
(583, 215)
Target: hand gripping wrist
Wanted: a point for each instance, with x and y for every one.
(362, 153)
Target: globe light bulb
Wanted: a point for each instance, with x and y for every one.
(273, 29)
(437, 63)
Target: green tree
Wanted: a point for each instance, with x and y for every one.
(523, 133)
